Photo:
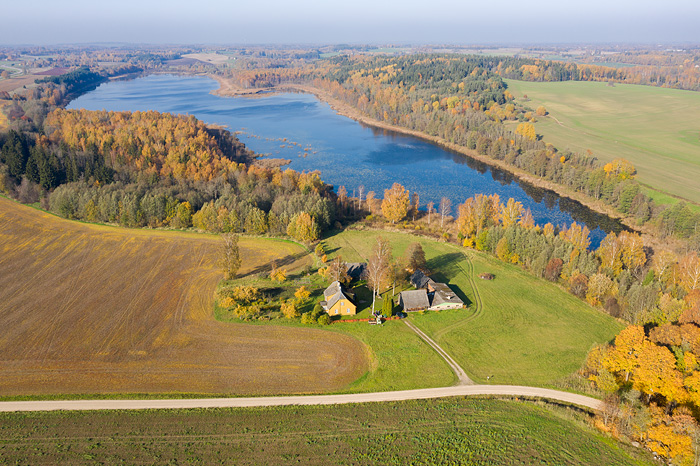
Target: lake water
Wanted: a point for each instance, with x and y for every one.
(308, 132)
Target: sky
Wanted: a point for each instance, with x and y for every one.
(44, 22)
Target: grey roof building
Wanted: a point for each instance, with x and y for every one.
(414, 300)
(429, 295)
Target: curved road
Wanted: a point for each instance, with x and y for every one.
(459, 390)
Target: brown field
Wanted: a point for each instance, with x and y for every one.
(213, 58)
(97, 309)
(14, 83)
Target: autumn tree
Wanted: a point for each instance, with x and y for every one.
(553, 269)
(342, 196)
(511, 212)
(230, 257)
(690, 271)
(415, 203)
(370, 202)
(526, 130)
(395, 203)
(303, 227)
(302, 294)
(289, 309)
(541, 111)
(622, 169)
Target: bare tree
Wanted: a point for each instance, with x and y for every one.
(377, 270)
(338, 270)
(370, 201)
(445, 209)
(431, 205)
(360, 193)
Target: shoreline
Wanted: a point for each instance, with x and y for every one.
(229, 89)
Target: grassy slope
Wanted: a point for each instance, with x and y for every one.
(527, 330)
(656, 129)
(448, 431)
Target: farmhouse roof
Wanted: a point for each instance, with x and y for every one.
(335, 293)
(413, 300)
(421, 280)
(332, 289)
(444, 294)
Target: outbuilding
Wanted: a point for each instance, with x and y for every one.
(414, 300)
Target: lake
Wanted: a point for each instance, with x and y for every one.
(307, 131)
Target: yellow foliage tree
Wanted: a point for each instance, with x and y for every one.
(395, 203)
(526, 130)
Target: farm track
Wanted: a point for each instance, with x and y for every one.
(96, 309)
(422, 394)
(478, 303)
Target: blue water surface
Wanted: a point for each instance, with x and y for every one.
(307, 131)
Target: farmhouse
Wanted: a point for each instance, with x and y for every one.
(338, 301)
(429, 295)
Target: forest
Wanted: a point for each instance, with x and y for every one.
(152, 169)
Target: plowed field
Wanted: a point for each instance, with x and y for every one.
(96, 309)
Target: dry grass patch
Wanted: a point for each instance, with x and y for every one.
(89, 308)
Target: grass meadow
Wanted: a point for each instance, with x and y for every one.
(469, 431)
(518, 329)
(656, 129)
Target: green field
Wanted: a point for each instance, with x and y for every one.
(428, 432)
(519, 329)
(657, 129)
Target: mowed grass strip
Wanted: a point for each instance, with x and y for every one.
(654, 128)
(97, 309)
(518, 329)
(427, 432)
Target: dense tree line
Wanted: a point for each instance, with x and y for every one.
(152, 169)
(463, 100)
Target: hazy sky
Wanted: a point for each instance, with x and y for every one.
(353, 21)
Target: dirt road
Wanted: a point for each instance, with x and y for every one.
(459, 390)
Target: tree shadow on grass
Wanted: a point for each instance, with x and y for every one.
(445, 267)
(285, 261)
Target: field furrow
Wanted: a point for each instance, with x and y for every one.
(90, 308)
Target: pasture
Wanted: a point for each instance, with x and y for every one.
(519, 329)
(654, 128)
(98, 309)
(427, 432)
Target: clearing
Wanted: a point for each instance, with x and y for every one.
(443, 431)
(654, 128)
(98, 309)
(519, 329)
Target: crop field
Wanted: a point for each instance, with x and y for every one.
(656, 129)
(98, 309)
(518, 329)
(427, 432)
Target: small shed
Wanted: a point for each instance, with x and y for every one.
(414, 300)
(421, 280)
